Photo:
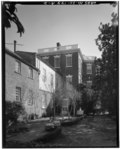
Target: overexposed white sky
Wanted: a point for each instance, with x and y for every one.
(45, 25)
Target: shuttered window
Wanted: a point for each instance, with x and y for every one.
(18, 94)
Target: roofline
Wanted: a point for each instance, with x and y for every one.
(19, 58)
(61, 52)
(49, 65)
(41, 60)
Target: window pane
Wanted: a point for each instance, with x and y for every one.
(89, 68)
(51, 80)
(30, 98)
(18, 94)
(30, 72)
(69, 78)
(69, 60)
(89, 83)
(44, 103)
(44, 77)
(57, 62)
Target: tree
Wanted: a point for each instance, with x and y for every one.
(8, 16)
(107, 42)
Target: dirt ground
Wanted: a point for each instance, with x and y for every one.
(97, 131)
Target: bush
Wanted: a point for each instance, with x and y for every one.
(16, 128)
(13, 111)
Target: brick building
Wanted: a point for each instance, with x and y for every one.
(66, 60)
(88, 71)
(49, 81)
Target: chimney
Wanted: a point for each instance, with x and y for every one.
(15, 45)
(58, 45)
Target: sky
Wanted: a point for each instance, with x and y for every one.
(45, 25)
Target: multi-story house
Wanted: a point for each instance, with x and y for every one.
(21, 82)
(66, 60)
(88, 72)
(49, 81)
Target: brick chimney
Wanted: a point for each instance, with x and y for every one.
(15, 45)
(58, 45)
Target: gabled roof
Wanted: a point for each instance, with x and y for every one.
(15, 55)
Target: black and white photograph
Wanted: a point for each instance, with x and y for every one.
(60, 74)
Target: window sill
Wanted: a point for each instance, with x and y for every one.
(68, 66)
(30, 78)
(17, 72)
(57, 67)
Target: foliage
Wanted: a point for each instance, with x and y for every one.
(107, 81)
(13, 111)
(8, 16)
(16, 128)
(54, 108)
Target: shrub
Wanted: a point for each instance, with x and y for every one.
(13, 111)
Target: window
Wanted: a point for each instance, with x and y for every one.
(44, 77)
(18, 94)
(89, 68)
(97, 70)
(57, 61)
(69, 60)
(30, 98)
(89, 84)
(51, 80)
(44, 103)
(69, 78)
(30, 72)
(46, 59)
(17, 67)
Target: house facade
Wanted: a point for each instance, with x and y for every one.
(21, 82)
(66, 60)
(50, 81)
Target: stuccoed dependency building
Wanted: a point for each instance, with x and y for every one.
(66, 60)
